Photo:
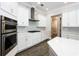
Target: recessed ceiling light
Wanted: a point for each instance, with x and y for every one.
(47, 9)
(41, 4)
(38, 3)
(65, 2)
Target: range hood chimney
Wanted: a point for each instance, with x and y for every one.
(33, 15)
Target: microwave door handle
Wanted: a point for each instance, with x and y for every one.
(10, 34)
(3, 26)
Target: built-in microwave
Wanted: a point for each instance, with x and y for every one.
(8, 25)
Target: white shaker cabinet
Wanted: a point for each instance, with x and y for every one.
(78, 16)
(34, 38)
(42, 22)
(9, 7)
(23, 15)
(21, 41)
(65, 19)
(70, 19)
(44, 37)
(28, 40)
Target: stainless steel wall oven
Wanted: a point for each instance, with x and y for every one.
(8, 34)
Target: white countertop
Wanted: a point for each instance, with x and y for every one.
(64, 47)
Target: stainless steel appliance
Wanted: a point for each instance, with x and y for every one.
(8, 34)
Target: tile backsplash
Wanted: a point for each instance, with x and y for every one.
(73, 30)
(24, 29)
(70, 32)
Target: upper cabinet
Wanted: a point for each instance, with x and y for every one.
(9, 7)
(42, 22)
(65, 19)
(78, 16)
(70, 19)
(23, 15)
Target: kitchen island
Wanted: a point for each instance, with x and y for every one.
(63, 47)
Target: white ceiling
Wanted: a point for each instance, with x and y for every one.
(49, 5)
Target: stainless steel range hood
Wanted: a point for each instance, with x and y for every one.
(33, 15)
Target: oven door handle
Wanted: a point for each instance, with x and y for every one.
(3, 45)
(9, 34)
(3, 26)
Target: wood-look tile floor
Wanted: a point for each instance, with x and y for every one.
(40, 49)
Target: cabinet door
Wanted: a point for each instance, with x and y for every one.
(9, 7)
(23, 14)
(44, 37)
(21, 41)
(38, 37)
(6, 6)
(78, 17)
(34, 38)
(42, 22)
(65, 19)
(29, 40)
(14, 8)
(72, 18)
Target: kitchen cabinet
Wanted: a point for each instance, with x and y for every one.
(43, 34)
(21, 41)
(70, 19)
(23, 15)
(42, 22)
(78, 16)
(34, 38)
(65, 19)
(9, 7)
(24, 41)
(28, 40)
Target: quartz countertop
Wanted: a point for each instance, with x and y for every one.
(64, 47)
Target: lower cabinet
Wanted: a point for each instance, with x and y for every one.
(21, 41)
(43, 34)
(28, 40)
(34, 38)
